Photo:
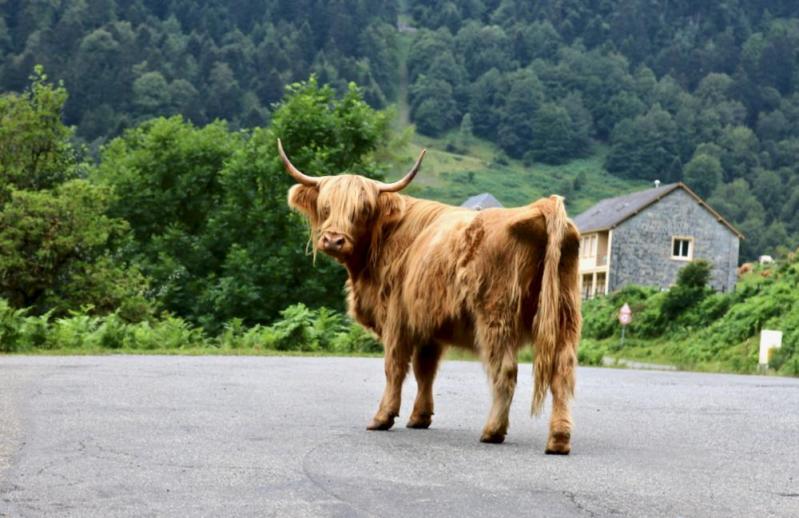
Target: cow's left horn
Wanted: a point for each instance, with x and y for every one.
(405, 180)
(293, 171)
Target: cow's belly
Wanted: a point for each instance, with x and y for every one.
(457, 332)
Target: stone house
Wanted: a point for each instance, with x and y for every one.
(646, 237)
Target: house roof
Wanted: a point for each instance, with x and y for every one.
(482, 201)
(610, 212)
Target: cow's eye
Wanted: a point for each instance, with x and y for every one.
(325, 212)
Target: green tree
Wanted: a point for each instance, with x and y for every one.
(432, 106)
(466, 133)
(55, 252)
(151, 93)
(703, 174)
(34, 144)
(486, 98)
(737, 204)
(740, 155)
(516, 130)
(207, 206)
(646, 147)
(57, 246)
(554, 140)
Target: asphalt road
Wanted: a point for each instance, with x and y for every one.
(255, 436)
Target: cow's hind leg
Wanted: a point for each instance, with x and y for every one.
(425, 364)
(562, 387)
(499, 356)
(397, 357)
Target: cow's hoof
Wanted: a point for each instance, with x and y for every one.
(492, 437)
(420, 422)
(381, 424)
(559, 444)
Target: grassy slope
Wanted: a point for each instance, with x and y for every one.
(452, 177)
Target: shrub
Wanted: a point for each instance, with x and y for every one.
(591, 353)
(300, 329)
(356, 339)
(695, 274)
(72, 332)
(11, 321)
(294, 330)
(690, 289)
(600, 315)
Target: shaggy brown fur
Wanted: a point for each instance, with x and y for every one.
(424, 275)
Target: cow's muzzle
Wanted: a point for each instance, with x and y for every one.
(333, 242)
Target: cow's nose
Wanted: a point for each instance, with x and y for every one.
(332, 241)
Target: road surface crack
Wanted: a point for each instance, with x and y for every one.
(319, 484)
(572, 496)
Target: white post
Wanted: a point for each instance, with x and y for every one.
(769, 339)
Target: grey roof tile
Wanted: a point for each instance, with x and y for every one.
(611, 211)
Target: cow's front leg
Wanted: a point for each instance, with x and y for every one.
(425, 364)
(500, 360)
(397, 357)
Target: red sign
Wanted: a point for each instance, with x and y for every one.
(625, 315)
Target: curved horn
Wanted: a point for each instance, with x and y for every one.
(405, 180)
(293, 171)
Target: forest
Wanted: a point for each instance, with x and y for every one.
(138, 175)
(125, 62)
(700, 92)
(704, 93)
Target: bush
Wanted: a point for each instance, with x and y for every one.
(591, 353)
(294, 331)
(695, 274)
(11, 322)
(600, 315)
(300, 329)
(691, 288)
(356, 340)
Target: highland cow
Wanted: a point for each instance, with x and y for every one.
(424, 276)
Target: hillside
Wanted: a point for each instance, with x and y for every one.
(704, 93)
(459, 165)
(453, 176)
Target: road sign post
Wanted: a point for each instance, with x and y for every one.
(625, 317)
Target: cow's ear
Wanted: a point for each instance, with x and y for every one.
(390, 207)
(303, 199)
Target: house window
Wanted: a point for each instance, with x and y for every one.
(682, 248)
(588, 245)
(601, 284)
(588, 286)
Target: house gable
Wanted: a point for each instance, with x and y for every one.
(643, 248)
(611, 212)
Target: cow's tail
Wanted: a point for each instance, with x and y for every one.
(556, 330)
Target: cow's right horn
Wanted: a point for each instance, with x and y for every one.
(405, 180)
(293, 171)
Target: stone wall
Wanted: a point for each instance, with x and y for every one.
(642, 245)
